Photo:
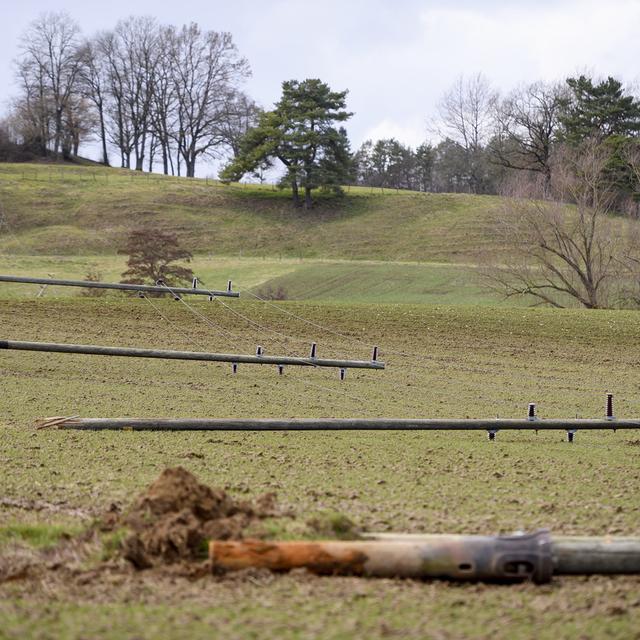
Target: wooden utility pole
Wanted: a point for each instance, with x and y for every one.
(187, 355)
(119, 286)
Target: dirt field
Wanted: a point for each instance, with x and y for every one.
(473, 363)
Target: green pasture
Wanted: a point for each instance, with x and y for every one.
(375, 267)
(295, 279)
(460, 361)
(70, 210)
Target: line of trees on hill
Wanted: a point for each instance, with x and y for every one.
(151, 92)
(487, 139)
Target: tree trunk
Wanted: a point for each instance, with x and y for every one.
(152, 152)
(308, 202)
(103, 138)
(140, 153)
(296, 195)
(58, 135)
(165, 159)
(190, 165)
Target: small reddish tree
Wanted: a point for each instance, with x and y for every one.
(152, 254)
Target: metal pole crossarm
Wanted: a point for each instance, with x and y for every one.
(331, 424)
(119, 286)
(187, 355)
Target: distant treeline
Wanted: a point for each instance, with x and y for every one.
(150, 92)
(488, 139)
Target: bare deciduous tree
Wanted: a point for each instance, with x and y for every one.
(241, 114)
(559, 252)
(137, 47)
(527, 123)
(207, 69)
(94, 86)
(49, 68)
(164, 98)
(631, 155)
(466, 113)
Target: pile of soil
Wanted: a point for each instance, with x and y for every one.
(172, 521)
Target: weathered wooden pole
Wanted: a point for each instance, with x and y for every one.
(118, 286)
(339, 424)
(185, 355)
(536, 556)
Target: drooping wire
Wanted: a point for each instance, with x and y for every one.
(316, 325)
(383, 350)
(225, 332)
(256, 324)
(170, 322)
(344, 394)
(204, 318)
(305, 320)
(310, 384)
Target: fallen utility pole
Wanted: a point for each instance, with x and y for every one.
(516, 558)
(340, 424)
(119, 286)
(188, 355)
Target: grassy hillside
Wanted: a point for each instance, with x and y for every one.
(293, 278)
(70, 210)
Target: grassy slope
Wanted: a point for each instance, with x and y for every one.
(82, 214)
(478, 362)
(322, 280)
(71, 210)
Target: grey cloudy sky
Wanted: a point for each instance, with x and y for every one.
(396, 58)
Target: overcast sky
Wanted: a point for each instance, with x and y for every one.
(396, 58)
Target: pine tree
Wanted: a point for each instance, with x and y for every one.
(300, 132)
(599, 110)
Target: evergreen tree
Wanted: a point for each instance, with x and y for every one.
(599, 110)
(605, 113)
(424, 167)
(300, 132)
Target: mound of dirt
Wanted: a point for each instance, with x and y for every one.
(172, 521)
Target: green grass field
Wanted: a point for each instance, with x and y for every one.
(296, 279)
(475, 362)
(81, 210)
(392, 269)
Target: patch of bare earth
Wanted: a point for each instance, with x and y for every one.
(166, 529)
